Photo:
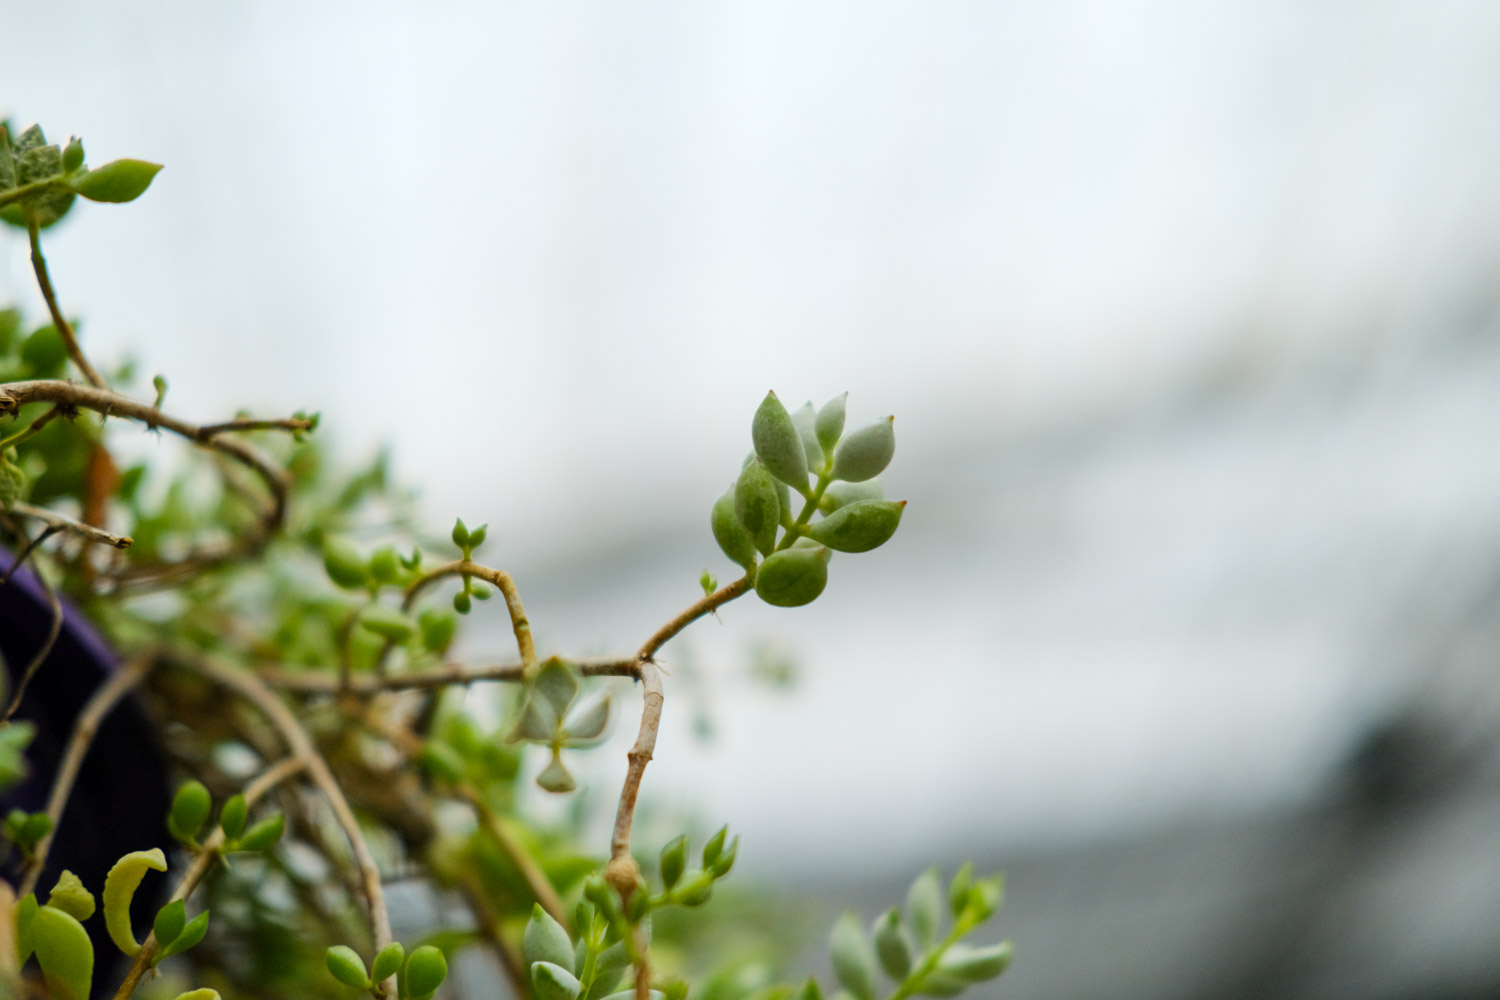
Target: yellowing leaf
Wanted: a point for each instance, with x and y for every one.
(119, 890)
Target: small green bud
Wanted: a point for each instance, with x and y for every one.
(757, 506)
(232, 817)
(865, 453)
(859, 526)
(437, 628)
(554, 982)
(673, 861)
(117, 181)
(34, 828)
(263, 835)
(479, 591)
(71, 897)
(460, 534)
(793, 577)
(384, 566)
(708, 582)
(976, 965)
(830, 422)
(72, 157)
(345, 566)
(804, 418)
(696, 890)
(984, 899)
(894, 945)
(387, 963)
(637, 906)
(425, 971)
(461, 603)
(730, 533)
(190, 808)
(442, 761)
(598, 892)
(777, 443)
(725, 861)
(387, 622)
(476, 536)
(347, 967)
(715, 846)
(545, 940)
(853, 961)
(555, 776)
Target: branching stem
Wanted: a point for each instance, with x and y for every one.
(64, 328)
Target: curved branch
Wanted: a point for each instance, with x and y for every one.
(254, 690)
(500, 580)
(14, 395)
(59, 322)
(56, 522)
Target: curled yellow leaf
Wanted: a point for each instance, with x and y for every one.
(119, 890)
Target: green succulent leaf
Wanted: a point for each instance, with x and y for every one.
(859, 526)
(778, 444)
(191, 935)
(387, 962)
(793, 577)
(71, 897)
(864, 454)
(757, 505)
(426, 969)
(387, 622)
(894, 945)
(119, 889)
(170, 920)
(557, 681)
(233, 816)
(64, 952)
(554, 982)
(588, 723)
(976, 965)
(715, 846)
(924, 907)
(201, 994)
(555, 777)
(545, 940)
(673, 861)
(829, 423)
(853, 961)
(804, 418)
(731, 535)
(345, 965)
(263, 835)
(117, 181)
(344, 564)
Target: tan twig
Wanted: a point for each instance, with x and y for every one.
(652, 698)
(64, 328)
(14, 395)
(84, 730)
(291, 424)
(500, 580)
(25, 553)
(319, 682)
(201, 864)
(254, 690)
(536, 879)
(58, 522)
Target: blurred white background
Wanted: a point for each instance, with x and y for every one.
(1187, 312)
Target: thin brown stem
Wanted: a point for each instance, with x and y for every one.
(269, 514)
(536, 879)
(254, 690)
(203, 861)
(64, 328)
(58, 522)
(290, 424)
(319, 682)
(502, 581)
(25, 553)
(32, 429)
(84, 731)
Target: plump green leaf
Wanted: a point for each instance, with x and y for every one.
(804, 418)
(958, 889)
(894, 945)
(588, 723)
(673, 860)
(64, 952)
(387, 622)
(976, 965)
(859, 526)
(793, 577)
(425, 971)
(263, 835)
(437, 628)
(119, 889)
(777, 443)
(388, 962)
(864, 454)
(232, 817)
(829, 423)
(554, 982)
(344, 564)
(725, 861)
(191, 935)
(345, 965)
(545, 940)
(170, 920)
(731, 535)
(924, 907)
(853, 961)
(117, 181)
(557, 681)
(555, 777)
(757, 505)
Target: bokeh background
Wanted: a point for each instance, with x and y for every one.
(1189, 314)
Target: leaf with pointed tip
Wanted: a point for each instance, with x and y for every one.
(119, 889)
